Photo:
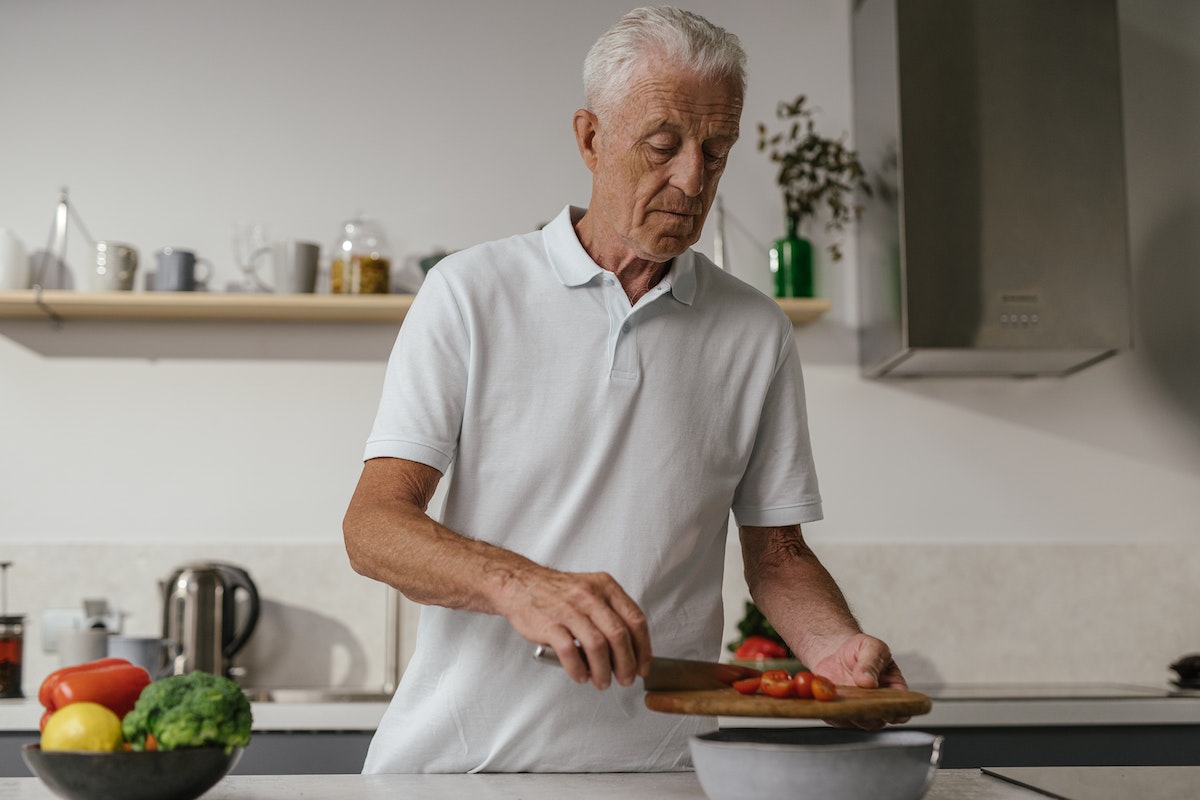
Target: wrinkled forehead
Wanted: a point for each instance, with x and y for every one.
(662, 94)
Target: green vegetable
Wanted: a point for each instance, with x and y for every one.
(196, 709)
(755, 624)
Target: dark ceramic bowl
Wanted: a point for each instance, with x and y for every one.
(154, 775)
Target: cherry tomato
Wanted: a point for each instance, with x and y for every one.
(823, 688)
(754, 648)
(747, 685)
(776, 683)
(802, 684)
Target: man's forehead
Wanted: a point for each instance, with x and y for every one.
(662, 101)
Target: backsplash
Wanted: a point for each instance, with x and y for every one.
(320, 624)
(954, 613)
(1026, 613)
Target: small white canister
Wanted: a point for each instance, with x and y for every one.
(14, 262)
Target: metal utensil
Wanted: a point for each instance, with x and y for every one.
(675, 674)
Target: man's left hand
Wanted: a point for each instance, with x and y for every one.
(866, 662)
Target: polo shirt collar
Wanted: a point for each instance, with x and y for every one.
(574, 267)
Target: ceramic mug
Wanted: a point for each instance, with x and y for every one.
(178, 269)
(152, 653)
(294, 264)
(112, 268)
(82, 645)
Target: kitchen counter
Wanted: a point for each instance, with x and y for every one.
(22, 715)
(1005, 725)
(949, 785)
(959, 705)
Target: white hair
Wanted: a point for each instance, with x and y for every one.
(678, 36)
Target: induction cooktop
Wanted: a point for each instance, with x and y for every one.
(1104, 783)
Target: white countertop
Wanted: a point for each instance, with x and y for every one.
(949, 785)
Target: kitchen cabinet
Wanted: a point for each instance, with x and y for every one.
(61, 305)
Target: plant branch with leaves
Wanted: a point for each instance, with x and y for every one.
(816, 173)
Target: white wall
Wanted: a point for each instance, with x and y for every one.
(450, 122)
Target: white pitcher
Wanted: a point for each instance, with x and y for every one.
(14, 262)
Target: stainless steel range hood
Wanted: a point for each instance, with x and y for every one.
(996, 241)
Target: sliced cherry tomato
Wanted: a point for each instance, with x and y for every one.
(802, 684)
(747, 685)
(823, 688)
(776, 683)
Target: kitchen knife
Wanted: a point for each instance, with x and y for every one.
(675, 674)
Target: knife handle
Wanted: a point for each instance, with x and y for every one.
(545, 653)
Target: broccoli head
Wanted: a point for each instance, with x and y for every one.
(196, 709)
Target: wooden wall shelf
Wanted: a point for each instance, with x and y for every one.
(199, 306)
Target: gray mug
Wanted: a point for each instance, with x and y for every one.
(82, 645)
(177, 271)
(152, 653)
(294, 264)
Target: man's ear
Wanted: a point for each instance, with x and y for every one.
(586, 130)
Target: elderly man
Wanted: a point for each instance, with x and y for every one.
(606, 397)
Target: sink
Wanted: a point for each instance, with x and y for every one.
(330, 695)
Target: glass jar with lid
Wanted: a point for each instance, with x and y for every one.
(362, 259)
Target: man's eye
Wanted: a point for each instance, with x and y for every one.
(717, 155)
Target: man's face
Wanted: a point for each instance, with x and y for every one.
(657, 156)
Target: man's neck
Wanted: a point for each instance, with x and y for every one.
(637, 276)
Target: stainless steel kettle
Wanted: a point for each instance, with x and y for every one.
(200, 614)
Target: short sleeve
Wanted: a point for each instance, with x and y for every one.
(424, 389)
(779, 486)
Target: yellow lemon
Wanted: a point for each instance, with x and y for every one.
(82, 726)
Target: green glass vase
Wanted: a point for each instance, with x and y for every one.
(792, 263)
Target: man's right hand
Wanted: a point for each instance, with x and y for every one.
(389, 538)
(573, 612)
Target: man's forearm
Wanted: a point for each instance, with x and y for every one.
(391, 539)
(795, 592)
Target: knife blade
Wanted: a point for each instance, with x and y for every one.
(675, 674)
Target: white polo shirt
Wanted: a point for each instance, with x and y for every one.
(587, 435)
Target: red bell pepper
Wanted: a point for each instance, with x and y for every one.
(112, 682)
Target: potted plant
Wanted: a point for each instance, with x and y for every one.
(818, 176)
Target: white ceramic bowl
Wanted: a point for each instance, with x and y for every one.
(815, 764)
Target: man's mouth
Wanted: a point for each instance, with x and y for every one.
(674, 213)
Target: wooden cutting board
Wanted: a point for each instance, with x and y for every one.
(851, 704)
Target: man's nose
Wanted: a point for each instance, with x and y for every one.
(688, 174)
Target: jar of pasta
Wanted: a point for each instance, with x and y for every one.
(361, 260)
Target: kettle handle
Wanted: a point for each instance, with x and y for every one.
(240, 579)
